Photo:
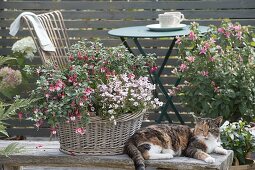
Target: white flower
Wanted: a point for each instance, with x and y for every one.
(72, 118)
(26, 46)
(136, 103)
(110, 111)
(225, 124)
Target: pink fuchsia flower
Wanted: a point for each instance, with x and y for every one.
(80, 131)
(60, 84)
(203, 50)
(239, 35)
(153, 69)
(20, 115)
(88, 91)
(237, 27)
(183, 67)
(73, 104)
(71, 58)
(131, 76)
(79, 56)
(191, 59)
(178, 40)
(221, 30)
(212, 41)
(192, 36)
(81, 103)
(36, 111)
(51, 88)
(212, 59)
(53, 131)
(39, 123)
(47, 95)
(204, 73)
(216, 89)
(103, 69)
(227, 34)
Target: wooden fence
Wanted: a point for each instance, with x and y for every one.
(93, 19)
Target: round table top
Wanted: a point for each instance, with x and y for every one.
(144, 32)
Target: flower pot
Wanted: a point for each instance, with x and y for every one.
(101, 137)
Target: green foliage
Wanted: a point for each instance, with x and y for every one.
(10, 149)
(9, 110)
(237, 137)
(218, 71)
(72, 93)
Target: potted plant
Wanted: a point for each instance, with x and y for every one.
(237, 136)
(97, 99)
(218, 72)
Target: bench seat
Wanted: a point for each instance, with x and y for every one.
(46, 153)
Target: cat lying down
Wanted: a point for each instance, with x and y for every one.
(164, 141)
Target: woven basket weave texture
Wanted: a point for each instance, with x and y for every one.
(102, 137)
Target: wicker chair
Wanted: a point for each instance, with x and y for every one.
(56, 30)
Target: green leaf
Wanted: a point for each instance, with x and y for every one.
(253, 43)
(5, 59)
(11, 149)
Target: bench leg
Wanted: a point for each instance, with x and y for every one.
(9, 167)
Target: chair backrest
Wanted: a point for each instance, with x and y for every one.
(54, 25)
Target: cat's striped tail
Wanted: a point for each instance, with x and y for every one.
(134, 153)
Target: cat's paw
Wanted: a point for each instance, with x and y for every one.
(221, 151)
(224, 152)
(170, 156)
(210, 159)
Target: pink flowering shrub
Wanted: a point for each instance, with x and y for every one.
(97, 81)
(218, 72)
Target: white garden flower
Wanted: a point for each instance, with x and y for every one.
(224, 125)
(25, 46)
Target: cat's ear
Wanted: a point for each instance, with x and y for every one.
(218, 120)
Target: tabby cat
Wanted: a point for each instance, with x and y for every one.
(164, 141)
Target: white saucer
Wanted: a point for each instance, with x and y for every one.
(157, 27)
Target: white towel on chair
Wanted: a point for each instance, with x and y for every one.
(42, 35)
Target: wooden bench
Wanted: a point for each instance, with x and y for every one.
(46, 153)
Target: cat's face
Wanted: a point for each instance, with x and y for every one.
(208, 128)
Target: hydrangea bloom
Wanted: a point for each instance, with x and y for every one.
(9, 78)
(25, 46)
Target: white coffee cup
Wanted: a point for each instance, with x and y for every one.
(177, 14)
(168, 20)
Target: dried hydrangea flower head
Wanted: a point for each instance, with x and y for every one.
(9, 78)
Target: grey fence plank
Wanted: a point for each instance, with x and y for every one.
(152, 15)
(81, 5)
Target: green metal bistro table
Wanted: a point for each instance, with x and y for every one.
(139, 32)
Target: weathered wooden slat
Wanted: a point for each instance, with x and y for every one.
(43, 132)
(117, 24)
(129, 5)
(152, 15)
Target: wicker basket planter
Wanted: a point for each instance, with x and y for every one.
(101, 138)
